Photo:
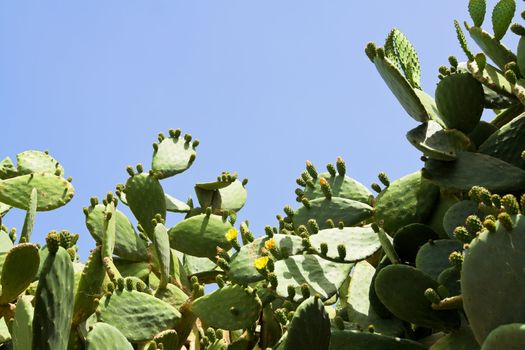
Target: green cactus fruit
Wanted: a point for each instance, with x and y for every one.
(29, 221)
(146, 199)
(7, 169)
(89, 287)
(53, 191)
(341, 186)
(321, 276)
(138, 316)
(502, 16)
(360, 340)
(242, 269)
(407, 200)
(401, 289)
(309, 328)
(337, 209)
(486, 305)
(161, 244)
(475, 169)
(481, 132)
(495, 50)
(175, 205)
(416, 103)
(461, 339)
(173, 155)
(408, 239)
(432, 258)
(31, 162)
(200, 235)
(52, 320)
(22, 327)
(19, 270)
(103, 335)
(128, 245)
(438, 143)
(360, 242)
(231, 307)
(357, 304)
(477, 9)
(507, 143)
(460, 101)
(509, 336)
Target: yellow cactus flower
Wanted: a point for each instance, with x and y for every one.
(231, 234)
(270, 244)
(323, 182)
(261, 262)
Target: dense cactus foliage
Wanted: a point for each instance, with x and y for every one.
(435, 260)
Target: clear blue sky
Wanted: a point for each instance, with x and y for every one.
(264, 85)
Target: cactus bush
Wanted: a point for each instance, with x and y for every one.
(436, 259)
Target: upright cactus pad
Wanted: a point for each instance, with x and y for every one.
(173, 154)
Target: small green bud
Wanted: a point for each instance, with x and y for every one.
(140, 168)
(517, 29)
(324, 249)
(496, 201)
(511, 77)
(432, 296)
(280, 315)
(291, 292)
(187, 138)
(305, 291)
(341, 251)
(313, 226)
(129, 284)
(473, 224)
(223, 264)
(384, 179)
(272, 278)
(268, 230)
(310, 168)
(219, 334)
(341, 225)
(506, 221)
(210, 333)
(341, 166)
(110, 287)
(376, 187)
(370, 51)
(380, 53)
(299, 192)
(330, 223)
(461, 233)
(453, 61)
(120, 283)
(288, 211)
(53, 242)
(220, 281)
(456, 259)
(443, 70)
(481, 61)
(331, 169)
(306, 203)
(300, 182)
(510, 203)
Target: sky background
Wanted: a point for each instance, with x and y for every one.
(264, 85)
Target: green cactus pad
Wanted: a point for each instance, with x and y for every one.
(169, 339)
(520, 60)
(360, 242)
(460, 100)
(19, 270)
(309, 328)
(172, 156)
(361, 340)
(461, 339)
(519, 90)
(494, 49)
(128, 245)
(139, 316)
(492, 275)
(29, 221)
(175, 205)
(231, 197)
(477, 9)
(322, 276)
(401, 288)
(458, 213)
(405, 55)
(242, 269)
(146, 199)
(341, 186)
(7, 169)
(140, 269)
(200, 235)
(89, 287)
(450, 278)
(491, 78)
(407, 200)
(22, 327)
(172, 295)
(432, 258)
(52, 320)
(4, 209)
(410, 238)
(508, 337)
(53, 191)
(203, 268)
(436, 220)
(507, 143)
(502, 16)
(438, 143)
(337, 209)
(481, 133)
(103, 334)
(358, 307)
(231, 307)
(30, 162)
(475, 169)
(161, 244)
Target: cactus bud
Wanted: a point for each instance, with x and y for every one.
(506, 221)
(511, 77)
(370, 51)
(341, 225)
(432, 296)
(53, 242)
(444, 71)
(300, 182)
(324, 249)
(310, 168)
(140, 168)
(187, 138)
(289, 211)
(93, 201)
(461, 233)
(341, 166)
(517, 29)
(481, 61)
(291, 292)
(496, 201)
(456, 259)
(384, 179)
(341, 251)
(306, 203)
(223, 264)
(330, 223)
(272, 278)
(220, 281)
(306, 243)
(305, 291)
(510, 203)
(473, 224)
(313, 226)
(453, 61)
(120, 283)
(268, 230)
(331, 169)
(299, 192)
(325, 187)
(110, 287)
(280, 315)
(376, 187)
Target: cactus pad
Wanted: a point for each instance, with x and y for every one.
(18, 271)
(432, 258)
(508, 336)
(104, 334)
(173, 155)
(358, 340)
(309, 328)
(30, 162)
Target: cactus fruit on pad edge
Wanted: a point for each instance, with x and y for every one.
(435, 259)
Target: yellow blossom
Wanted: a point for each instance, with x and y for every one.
(270, 244)
(231, 234)
(261, 262)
